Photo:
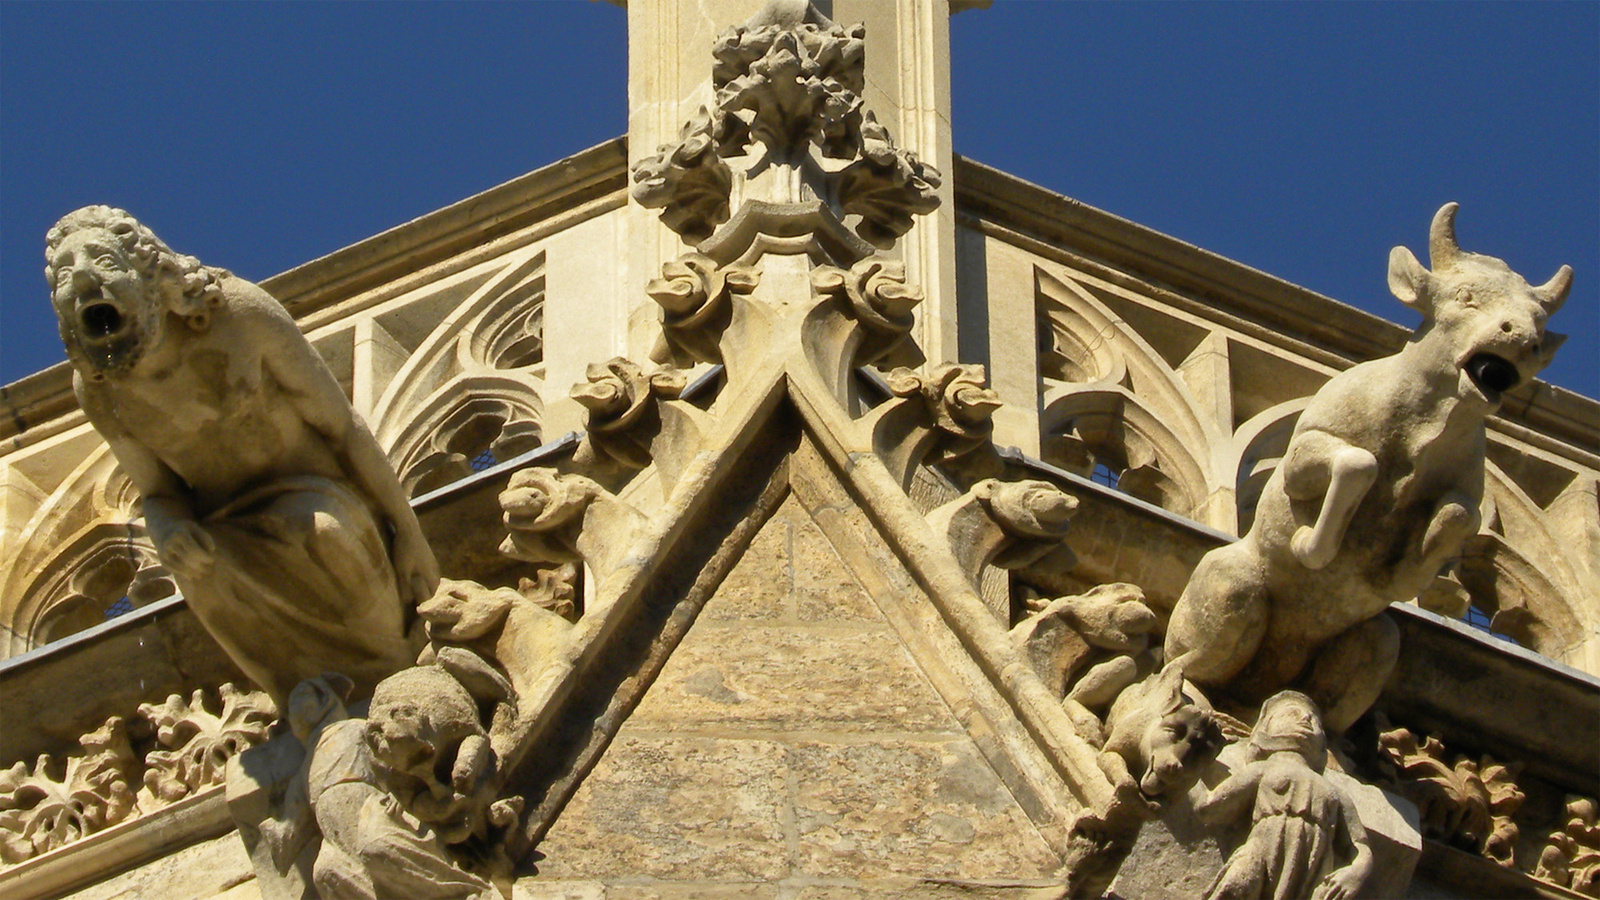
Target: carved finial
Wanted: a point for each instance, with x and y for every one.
(787, 83)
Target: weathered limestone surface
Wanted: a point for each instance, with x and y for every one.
(791, 748)
(216, 868)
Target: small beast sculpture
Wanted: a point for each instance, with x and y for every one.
(1381, 483)
(1158, 739)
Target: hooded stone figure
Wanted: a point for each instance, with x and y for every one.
(264, 494)
(1300, 824)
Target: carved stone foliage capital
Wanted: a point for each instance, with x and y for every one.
(1571, 855)
(687, 180)
(785, 86)
(887, 186)
(1468, 803)
(127, 768)
(53, 804)
(200, 738)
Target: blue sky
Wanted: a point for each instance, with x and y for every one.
(1304, 139)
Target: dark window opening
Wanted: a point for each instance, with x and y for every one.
(121, 607)
(482, 461)
(1104, 474)
(1480, 620)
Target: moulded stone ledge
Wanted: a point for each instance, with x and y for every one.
(132, 843)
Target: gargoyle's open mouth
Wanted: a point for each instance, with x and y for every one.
(100, 320)
(1492, 374)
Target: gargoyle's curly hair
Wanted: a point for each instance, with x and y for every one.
(190, 289)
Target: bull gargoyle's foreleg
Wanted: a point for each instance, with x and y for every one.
(1320, 464)
(1456, 519)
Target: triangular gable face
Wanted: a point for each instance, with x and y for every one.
(803, 739)
(787, 672)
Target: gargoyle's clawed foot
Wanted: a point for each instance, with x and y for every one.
(1309, 551)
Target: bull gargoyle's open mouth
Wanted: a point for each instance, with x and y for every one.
(100, 320)
(1492, 374)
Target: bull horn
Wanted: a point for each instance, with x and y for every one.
(1442, 247)
(1553, 293)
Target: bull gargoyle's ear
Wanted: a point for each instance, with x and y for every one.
(1410, 282)
(1547, 349)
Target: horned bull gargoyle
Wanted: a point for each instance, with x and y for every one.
(1380, 485)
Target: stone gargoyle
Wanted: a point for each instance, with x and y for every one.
(1380, 485)
(263, 492)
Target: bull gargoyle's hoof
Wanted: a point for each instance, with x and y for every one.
(1306, 550)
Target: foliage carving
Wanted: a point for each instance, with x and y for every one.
(1468, 804)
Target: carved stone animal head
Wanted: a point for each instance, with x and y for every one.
(112, 283)
(1485, 317)
(1163, 735)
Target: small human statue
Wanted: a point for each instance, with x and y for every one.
(264, 494)
(1299, 820)
(371, 847)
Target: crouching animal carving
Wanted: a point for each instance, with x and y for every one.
(1380, 485)
(1158, 739)
(265, 495)
(1090, 647)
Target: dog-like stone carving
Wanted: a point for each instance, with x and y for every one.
(1381, 483)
